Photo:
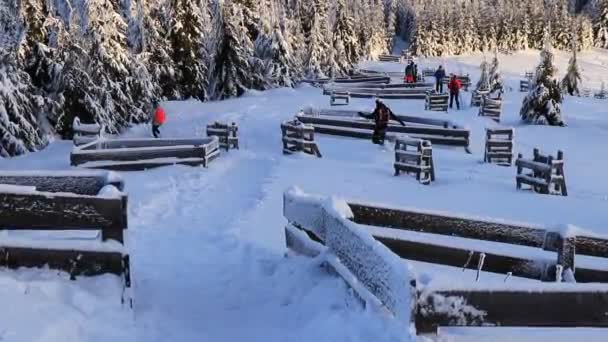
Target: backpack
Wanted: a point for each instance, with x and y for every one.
(383, 115)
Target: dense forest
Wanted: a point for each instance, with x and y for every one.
(105, 61)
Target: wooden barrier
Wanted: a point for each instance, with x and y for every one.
(549, 306)
(418, 161)
(601, 95)
(546, 172)
(465, 81)
(389, 58)
(142, 154)
(477, 96)
(418, 128)
(524, 85)
(335, 95)
(328, 88)
(226, 134)
(436, 102)
(346, 80)
(428, 72)
(490, 108)
(65, 201)
(535, 305)
(297, 137)
(85, 133)
(499, 146)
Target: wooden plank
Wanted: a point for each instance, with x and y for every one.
(447, 225)
(513, 308)
(133, 154)
(457, 257)
(138, 143)
(536, 166)
(63, 212)
(75, 262)
(62, 182)
(142, 165)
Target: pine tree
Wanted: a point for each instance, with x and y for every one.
(318, 44)
(231, 68)
(543, 102)
(187, 43)
(570, 83)
(601, 25)
(484, 80)
(494, 77)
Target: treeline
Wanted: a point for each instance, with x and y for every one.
(106, 60)
(454, 27)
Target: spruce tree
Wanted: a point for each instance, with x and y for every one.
(494, 76)
(542, 105)
(484, 81)
(601, 25)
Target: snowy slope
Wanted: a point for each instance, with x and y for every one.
(207, 245)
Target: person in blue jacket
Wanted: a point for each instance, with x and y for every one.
(439, 76)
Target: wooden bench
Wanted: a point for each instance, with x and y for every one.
(428, 72)
(85, 133)
(499, 146)
(299, 137)
(338, 95)
(65, 201)
(227, 134)
(546, 172)
(143, 154)
(586, 92)
(602, 95)
(477, 96)
(524, 85)
(490, 108)
(436, 102)
(418, 159)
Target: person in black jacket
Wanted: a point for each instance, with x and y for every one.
(439, 76)
(381, 116)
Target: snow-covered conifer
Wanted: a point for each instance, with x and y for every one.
(572, 79)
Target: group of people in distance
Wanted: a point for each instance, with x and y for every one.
(454, 86)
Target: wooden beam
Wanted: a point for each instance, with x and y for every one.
(74, 183)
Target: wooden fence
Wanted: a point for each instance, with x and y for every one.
(526, 305)
(465, 81)
(490, 108)
(418, 128)
(547, 173)
(65, 201)
(85, 133)
(352, 79)
(436, 102)
(142, 154)
(227, 134)
(477, 96)
(299, 137)
(499, 146)
(418, 161)
(389, 58)
(339, 95)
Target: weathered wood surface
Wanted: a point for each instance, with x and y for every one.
(418, 161)
(72, 182)
(226, 134)
(436, 102)
(64, 212)
(361, 79)
(409, 120)
(299, 137)
(74, 262)
(499, 146)
(375, 86)
(512, 308)
(142, 165)
(547, 173)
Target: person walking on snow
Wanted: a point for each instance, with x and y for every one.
(409, 73)
(439, 76)
(381, 116)
(454, 87)
(158, 119)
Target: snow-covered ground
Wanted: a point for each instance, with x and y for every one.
(207, 245)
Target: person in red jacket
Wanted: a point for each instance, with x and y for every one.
(158, 120)
(454, 87)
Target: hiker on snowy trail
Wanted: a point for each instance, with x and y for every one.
(158, 120)
(454, 87)
(381, 116)
(439, 76)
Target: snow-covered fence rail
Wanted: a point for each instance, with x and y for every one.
(377, 275)
(339, 95)
(226, 134)
(331, 86)
(477, 96)
(389, 58)
(418, 128)
(298, 136)
(547, 172)
(530, 305)
(402, 93)
(524, 85)
(551, 305)
(352, 79)
(499, 146)
(64, 201)
(418, 161)
(490, 108)
(85, 133)
(142, 154)
(436, 102)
